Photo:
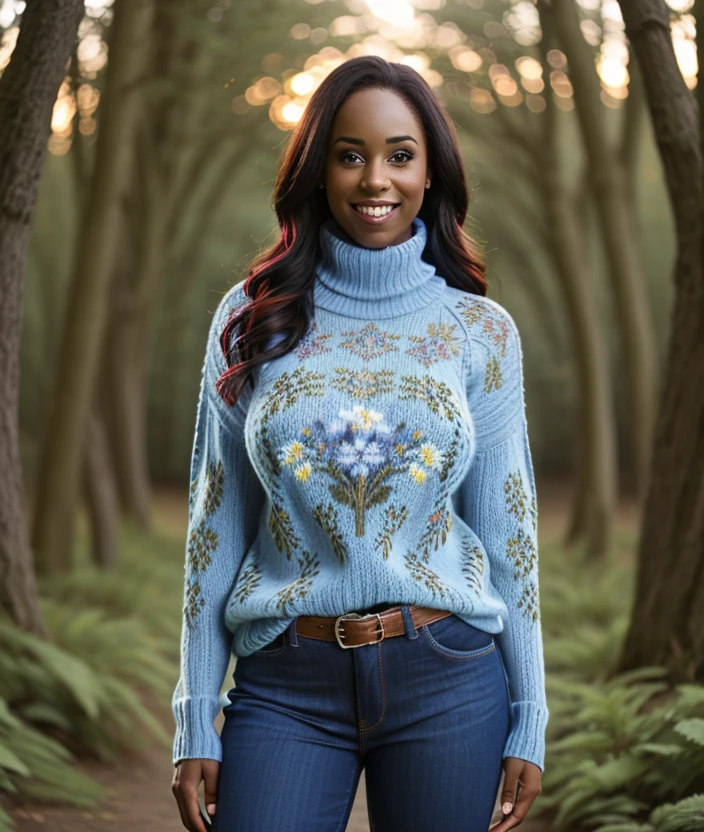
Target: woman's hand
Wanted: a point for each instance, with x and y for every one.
(187, 777)
(529, 776)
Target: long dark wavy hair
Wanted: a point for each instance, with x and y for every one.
(279, 281)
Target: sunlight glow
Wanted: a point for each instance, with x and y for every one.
(482, 101)
(303, 83)
(522, 22)
(561, 84)
(64, 111)
(7, 46)
(292, 112)
(684, 43)
(400, 13)
(612, 72)
(534, 85)
(465, 59)
(529, 68)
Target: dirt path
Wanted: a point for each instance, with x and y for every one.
(140, 789)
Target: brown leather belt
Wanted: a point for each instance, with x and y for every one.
(355, 630)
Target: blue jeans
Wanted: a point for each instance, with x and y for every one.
(426, 714)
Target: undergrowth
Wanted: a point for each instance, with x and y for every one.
(625, 753)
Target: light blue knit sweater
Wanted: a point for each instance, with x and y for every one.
(384, 459)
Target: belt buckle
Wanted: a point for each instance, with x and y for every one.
(339, 636)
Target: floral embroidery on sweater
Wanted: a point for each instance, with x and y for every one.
(441, 401)
(370, 342)
(248, 581)
(472, 565)
(521, 548)
(516, 498)
(394, 518)
(494, 329)
(300, 587)
(203, 541)
(360, 453)
(313, 343)
(328, 520)
(440, 344)
(425, 576)
(285, 392)
(363, 384)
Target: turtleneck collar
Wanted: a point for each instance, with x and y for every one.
(364, 282)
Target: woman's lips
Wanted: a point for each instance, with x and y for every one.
(375, 220)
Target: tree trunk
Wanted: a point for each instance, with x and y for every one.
(620, 244)
(79, 353)
(28, 89)
(667, 622)
(100, 495)
(161, 149)
(595, 496)
(124, 392)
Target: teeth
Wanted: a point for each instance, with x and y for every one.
(375, 212)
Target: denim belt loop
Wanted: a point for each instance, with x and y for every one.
(292, 637)
(411, 631)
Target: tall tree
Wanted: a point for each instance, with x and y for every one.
(28, 89)
(79, 352)
(667, 621)
(595, 496)
(621, 246)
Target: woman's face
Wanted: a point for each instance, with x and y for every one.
(376, 156)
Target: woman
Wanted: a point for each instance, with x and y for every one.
(363, 520)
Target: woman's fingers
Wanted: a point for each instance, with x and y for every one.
(526, 775)
(186, 780)
(211, 770)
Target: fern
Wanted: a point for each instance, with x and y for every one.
(685, 816)
(692, 729)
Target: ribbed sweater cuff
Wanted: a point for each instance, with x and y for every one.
(195, 737)
(526, 739)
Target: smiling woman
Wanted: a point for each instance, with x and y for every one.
(376, 170)
(371, 490)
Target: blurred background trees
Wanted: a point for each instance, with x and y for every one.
(580, 130)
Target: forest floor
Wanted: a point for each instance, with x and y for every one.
(139, 789)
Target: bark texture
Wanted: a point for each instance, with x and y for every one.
(79, 352)
(28, 89)
(667, 624)
(100, 494)
(614, 211)
(595, 495)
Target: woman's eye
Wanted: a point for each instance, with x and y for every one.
(404, 155)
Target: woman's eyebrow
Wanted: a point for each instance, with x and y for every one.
(392, 140)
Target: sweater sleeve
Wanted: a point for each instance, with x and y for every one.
(224, 505)
(498, 502)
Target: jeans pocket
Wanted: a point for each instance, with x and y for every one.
(273, 648)
(451, 636)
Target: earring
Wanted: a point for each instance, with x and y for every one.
(427, 183)
(321, 185)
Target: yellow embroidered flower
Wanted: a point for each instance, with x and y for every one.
(293, 453)
(417, 473)
(431, 456)
(417, 434)
(303, 471)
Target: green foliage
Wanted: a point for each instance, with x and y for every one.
(625, 752)
(112, 645)
(36, 766)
